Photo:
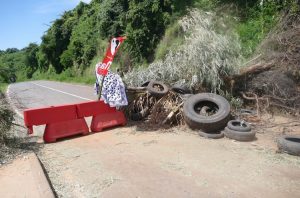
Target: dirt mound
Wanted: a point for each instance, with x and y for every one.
(277, 89)
(274, 83)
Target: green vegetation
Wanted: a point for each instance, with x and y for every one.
(259, 20)
(77, 40)
(172, 39)
(68, 75)
(201, 61)
(12, 63)
(6, 119)
(3, 87)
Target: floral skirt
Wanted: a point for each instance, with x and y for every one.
(113, 90)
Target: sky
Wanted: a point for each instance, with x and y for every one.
(25, 21)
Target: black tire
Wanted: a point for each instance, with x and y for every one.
(247, 112)
(181, 89)
(157, 88)
(243, 136)
(238, 125)
(211, 135)
(12, 79)
(289, 144)
(184, 97)
(140, 115)
(145, 84)
(212, 123)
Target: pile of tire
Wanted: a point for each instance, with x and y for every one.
(208, 113)
(159, 89)
(239, 130)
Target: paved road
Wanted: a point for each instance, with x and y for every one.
(47, 93)
(37, 94)
(134, 161)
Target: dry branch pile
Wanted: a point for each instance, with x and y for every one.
(165, 111)
(274, 75)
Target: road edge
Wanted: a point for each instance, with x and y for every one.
(44, 183)
(13, 106)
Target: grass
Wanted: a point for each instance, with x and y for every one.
(86, 77)
(3, 87)
(172, 39)
(253, 30)
(74, 75)
(69, 75)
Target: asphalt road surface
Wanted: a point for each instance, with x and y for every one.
(48, 93)
(134, 161)
(36, 94)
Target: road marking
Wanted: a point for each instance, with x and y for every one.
(66, 83)
(13, 104)
(85, 86)
(62, 92)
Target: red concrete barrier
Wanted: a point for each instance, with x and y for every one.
(104, 116)
(61, 121)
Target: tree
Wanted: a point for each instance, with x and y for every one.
(11, 50)
(112, 18)
(146, 22)
(57, 39)
(31, 61)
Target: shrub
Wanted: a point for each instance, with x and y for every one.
(204, 58)
(173, 38)
(6, 118)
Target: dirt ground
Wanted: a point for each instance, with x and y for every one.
(135, 162)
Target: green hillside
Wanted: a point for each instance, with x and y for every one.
(77, 40)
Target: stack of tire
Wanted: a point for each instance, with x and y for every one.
(208, 113)
(239, 130)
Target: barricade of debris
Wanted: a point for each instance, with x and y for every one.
(158, 105)
(268, 81)
(155, 103)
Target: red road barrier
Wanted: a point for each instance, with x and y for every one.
(48, 115)
(61, 121)
(104, 116)
(93, 108)
(107, 120)
(65, 129)
(67, 120)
